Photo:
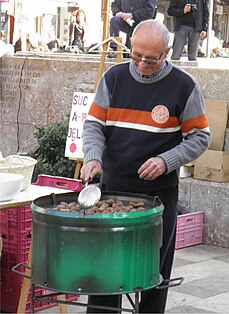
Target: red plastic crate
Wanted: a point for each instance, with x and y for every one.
(189, 230)
(59, 182)
(15, 228)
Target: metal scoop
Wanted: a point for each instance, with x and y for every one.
(89, 196)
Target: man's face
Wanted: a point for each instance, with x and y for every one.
(147, 55)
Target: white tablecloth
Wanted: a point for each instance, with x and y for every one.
(29, 195)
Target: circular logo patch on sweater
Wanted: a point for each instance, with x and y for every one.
(160, 114)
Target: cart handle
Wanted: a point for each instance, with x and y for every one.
(167, 283)
(14, 269)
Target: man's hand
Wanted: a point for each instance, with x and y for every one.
(124, 15)
(152, 168)
(89, 170)
(120, 14)
(203, 35)
(127, 16)
(187, 9)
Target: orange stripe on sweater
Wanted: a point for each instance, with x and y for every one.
(98, 112)
(195, 123)
(139, 117)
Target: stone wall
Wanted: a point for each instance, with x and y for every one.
(36, 90)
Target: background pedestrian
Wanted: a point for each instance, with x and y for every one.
(190, 20)
(127, 14)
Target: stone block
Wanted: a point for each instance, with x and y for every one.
(211, 198)
(226, 140)
(213, 83)
(9, 134)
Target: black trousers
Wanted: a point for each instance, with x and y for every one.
(152, 300)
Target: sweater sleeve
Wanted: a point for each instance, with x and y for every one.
(116, 7)
(196, 133)
(93, 128)
(174, 9)
(146, 12)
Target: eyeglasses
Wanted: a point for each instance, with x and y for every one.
(139, 58)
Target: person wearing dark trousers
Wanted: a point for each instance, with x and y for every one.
(127, 14)
(147, 119)
(78, 30)
(190, 20)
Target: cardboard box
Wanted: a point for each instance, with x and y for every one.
(186, 171)
(212, 166)
(217, 115)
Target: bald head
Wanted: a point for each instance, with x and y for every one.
(151, 31)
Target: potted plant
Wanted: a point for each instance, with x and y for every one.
(50, 153)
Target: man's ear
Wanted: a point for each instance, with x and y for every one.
(166, 52)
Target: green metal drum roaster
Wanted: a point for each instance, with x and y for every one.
(97, 253)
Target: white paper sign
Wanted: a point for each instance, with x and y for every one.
(219, 10)
(81, 103)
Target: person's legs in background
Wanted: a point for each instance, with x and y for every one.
(180, 38)
(193, 44)
(128, 45)
(117, 25)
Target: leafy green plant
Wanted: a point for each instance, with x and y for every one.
(51, 149)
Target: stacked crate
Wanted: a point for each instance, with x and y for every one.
(189, 230)
(15, 230)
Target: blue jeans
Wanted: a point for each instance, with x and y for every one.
(116, 25)
(180, 38)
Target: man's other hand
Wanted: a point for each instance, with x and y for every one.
(152, 168)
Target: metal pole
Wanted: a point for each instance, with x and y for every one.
(209, 27)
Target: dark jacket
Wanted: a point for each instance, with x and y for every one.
(140, 9)
(76, 34)
(201, 15)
